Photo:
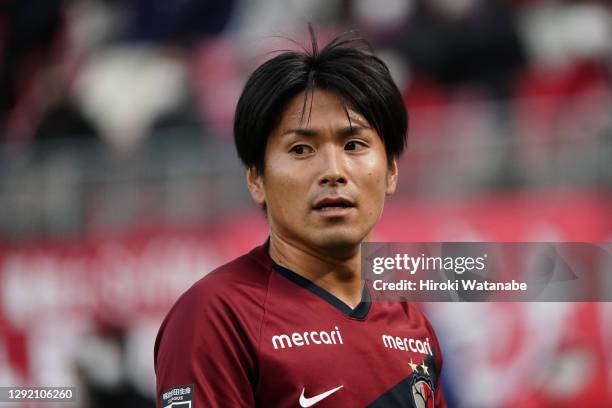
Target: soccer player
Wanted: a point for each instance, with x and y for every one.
(292, 323)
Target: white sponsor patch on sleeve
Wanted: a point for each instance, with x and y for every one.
(178, 397)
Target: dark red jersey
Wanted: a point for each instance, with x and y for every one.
(254, 334)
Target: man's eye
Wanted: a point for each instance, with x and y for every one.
(354, 145)
(301, 149)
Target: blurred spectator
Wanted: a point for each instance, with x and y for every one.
(560, 34)
(464, 42)
(62, 79)
(182, 22)
(123, 90)
(29, 30)
(105, 363)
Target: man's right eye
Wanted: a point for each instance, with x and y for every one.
(300, 149)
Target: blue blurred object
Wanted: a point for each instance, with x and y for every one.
(183, 21)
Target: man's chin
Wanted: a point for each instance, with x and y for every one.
(340, 243)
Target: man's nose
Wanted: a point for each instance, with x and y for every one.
(333, 168)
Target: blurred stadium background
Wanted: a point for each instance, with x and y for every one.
(119, 185)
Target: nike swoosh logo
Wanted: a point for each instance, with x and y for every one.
(309, 402)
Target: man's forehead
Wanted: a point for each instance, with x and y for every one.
(305, 108)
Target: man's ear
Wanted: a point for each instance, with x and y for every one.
(391, 178)
(255, 184)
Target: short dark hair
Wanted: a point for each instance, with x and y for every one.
(347, 67)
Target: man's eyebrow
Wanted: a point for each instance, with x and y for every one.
(300, 132)
(351, 129)
(343, 131)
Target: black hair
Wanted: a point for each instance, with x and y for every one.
(347, 67)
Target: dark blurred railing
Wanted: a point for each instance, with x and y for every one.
(180, 177)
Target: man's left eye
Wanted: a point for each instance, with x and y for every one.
(354, 145)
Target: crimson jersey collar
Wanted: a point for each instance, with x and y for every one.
(359, 312)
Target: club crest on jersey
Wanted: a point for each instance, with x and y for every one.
(178, 397)
(422, 387)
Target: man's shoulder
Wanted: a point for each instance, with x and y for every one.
(227, 301)
(244, 278)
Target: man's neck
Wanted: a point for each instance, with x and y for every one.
(339, 275)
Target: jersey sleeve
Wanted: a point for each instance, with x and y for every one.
(204, 354)
(440, 402)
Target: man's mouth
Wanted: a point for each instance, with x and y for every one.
(333, 203)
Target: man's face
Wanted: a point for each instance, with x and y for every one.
(324, 181)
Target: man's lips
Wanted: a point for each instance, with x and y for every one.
(333, 203)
